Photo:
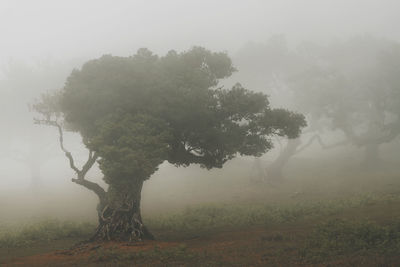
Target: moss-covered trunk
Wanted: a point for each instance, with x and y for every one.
(119, 215)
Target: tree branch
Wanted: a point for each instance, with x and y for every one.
(89, 163)
(97, 189)
(318, 138)
(61, 142)
(392, 131)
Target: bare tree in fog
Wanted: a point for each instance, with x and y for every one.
(355, 85)
(351, 86)
(136, 112)
(268, 67)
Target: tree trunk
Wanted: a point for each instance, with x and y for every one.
(120, 217)
(371, 158)
(275, 169)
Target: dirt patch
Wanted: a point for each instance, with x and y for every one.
(256, 247)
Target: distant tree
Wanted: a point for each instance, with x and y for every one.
(268, 67)
(350, 86)
(134, 113)
(355, 85)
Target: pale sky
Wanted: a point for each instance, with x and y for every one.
(63, 29)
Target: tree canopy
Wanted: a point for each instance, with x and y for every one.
(134, 113)
(138, 111)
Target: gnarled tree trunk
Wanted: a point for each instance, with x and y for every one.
(275, 169)
(118, 209)
(120, 217)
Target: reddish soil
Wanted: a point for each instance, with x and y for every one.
(277, 246)
(252, 247)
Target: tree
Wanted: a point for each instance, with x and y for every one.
(134, 113)
(355, 86)
(268, 67)
(351, 87)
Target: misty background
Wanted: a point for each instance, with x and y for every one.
(268, 41)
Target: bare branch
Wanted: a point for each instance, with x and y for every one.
(318, 138)
(61, 142)
(391, 131)
(334, 145)
(89, 163)
(97, 189)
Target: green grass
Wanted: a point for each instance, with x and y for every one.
(342, 237)
(216, 216)
(195, 220)
(45, 231)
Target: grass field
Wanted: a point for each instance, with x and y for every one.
(351, 231)
(349, 221)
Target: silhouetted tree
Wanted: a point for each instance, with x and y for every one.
(268, 67)
(134, 113)
(355, 85)
(351, 86)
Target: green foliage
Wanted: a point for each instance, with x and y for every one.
(218, 216)
(341, 237)
(130, 144)
(44, 231)
(136, 112)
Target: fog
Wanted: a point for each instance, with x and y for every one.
(271, 43)
(71, 29)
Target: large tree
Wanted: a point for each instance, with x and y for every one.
(134, 113)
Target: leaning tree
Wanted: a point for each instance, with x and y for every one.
(134, 113)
